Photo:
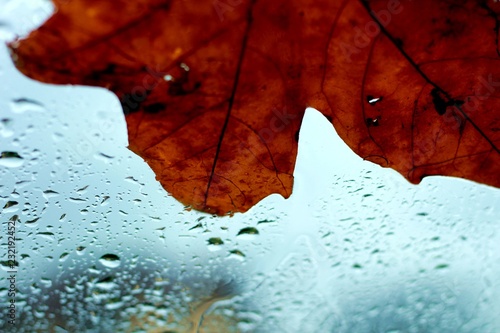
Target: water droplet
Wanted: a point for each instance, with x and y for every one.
(110, 260)
(10, 204)
(9, 264)
(50, 194)
(237, 254)
(32, 222)
(199, 225)
(373, 122)
(104, 157)
(63, 256)
(106, 284)
(11, 159)
(47, 283)
(82, 189)
(373, 100)
(47, 235)
(114, 304)
(248, 233)
(77, 200)
(214, 243)
(104, 200)
(22, 105)
(57, 137)
(5, 129)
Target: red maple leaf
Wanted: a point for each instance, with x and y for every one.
(214, 91)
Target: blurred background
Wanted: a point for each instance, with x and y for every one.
(101, 247)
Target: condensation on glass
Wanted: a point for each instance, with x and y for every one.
(102, 248)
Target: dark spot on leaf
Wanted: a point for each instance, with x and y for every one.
(297, 136)
(457, 103)
(181, 88)
(96, 75)
(110, 69)
(132, 103)
(329, 118)
(154, 108)
(440, 104)
(181, 84)
(176, 89)
(294, 71)
(375, 122)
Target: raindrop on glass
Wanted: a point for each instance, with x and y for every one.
(110, 260)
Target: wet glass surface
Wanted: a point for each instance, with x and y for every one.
(101, 247)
